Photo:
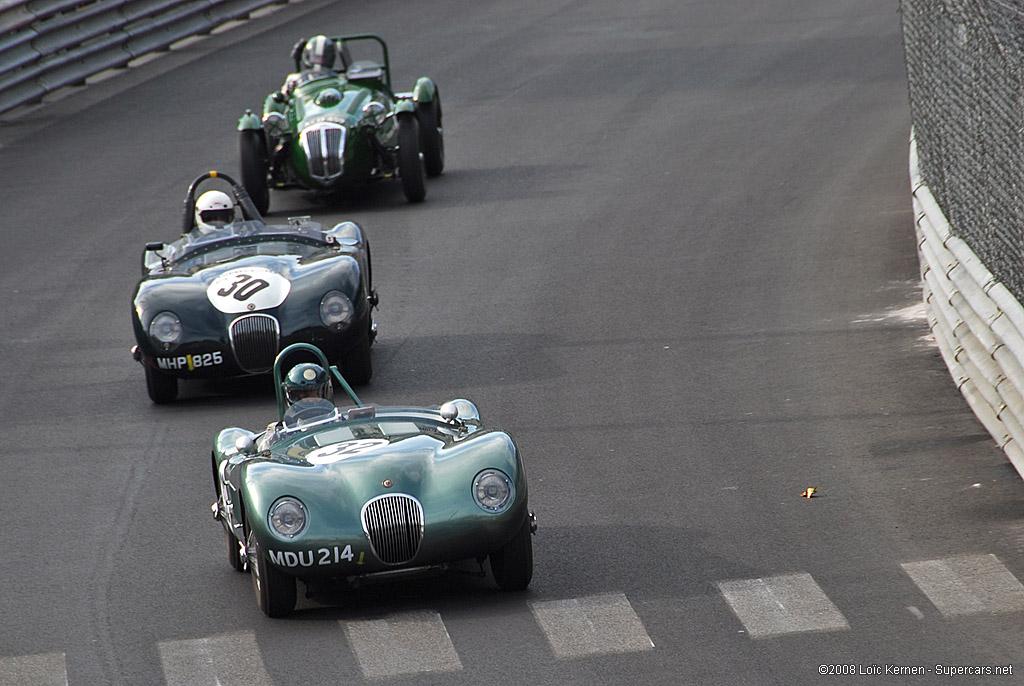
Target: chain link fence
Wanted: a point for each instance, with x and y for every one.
(965, 67)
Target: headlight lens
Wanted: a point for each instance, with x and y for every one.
(288, 517)
(375, 112)
(274, 124)
(493, 491)
(165, 330)
(335, 310)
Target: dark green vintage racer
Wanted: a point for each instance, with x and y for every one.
(340, 125)
(369, 493)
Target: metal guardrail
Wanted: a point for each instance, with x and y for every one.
(976, 321)
(49, 44)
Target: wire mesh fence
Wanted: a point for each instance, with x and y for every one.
(965, 68)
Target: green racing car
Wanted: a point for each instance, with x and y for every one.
(336, 124)
(332, 495)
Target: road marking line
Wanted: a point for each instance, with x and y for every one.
(43, 669)
(967, 584)
(225, 660)
(403, 643)
(591, 626)
(785, 604)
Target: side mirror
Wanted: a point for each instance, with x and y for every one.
(244, 445)
(450, 412)
(150, 260)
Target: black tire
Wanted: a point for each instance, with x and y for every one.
(162, 388)
(512, 564)
(235, 558)
(356, 365)
(234, 550)
(275, 590)
(431, 136)
(410, 166)
(253, 152)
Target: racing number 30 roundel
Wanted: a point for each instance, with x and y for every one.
(248, 289)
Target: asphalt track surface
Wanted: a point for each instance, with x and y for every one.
(672, 253)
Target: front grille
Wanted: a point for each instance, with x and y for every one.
(394, 525)
(324, 145)
(255, 339)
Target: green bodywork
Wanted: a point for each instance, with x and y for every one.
(343, 98)
(336, 466)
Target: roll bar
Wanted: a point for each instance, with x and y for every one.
(316, 352)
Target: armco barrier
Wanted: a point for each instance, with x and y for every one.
(49, 44)
(976, 322)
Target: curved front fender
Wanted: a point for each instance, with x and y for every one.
(405, 107)
(425, 90)
(248, 122)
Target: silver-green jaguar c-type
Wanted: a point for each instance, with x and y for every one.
(342, 495)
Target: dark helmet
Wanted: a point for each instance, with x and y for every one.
(307, 380)
(319, 52)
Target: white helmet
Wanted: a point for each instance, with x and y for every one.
(214, 209)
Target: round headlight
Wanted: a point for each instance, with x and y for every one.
(375, 112)
(288, 517)
(335, 310)
(493, 491)
(274, 124)
(165, 330)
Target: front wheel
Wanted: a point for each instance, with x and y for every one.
(431, 135)
(275, 590)
(512, 564)
(235, 558)
(410, 166)
(254, 169)
(356, 365)
(162, 388)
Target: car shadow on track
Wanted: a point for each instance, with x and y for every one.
(569, 562)
(454, 188)
(454, 363)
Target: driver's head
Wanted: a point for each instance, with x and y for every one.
(318, 53)
(307, 380)
(214, 210)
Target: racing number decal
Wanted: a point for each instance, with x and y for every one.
(248, 289)
(329, 454)
(250, 286)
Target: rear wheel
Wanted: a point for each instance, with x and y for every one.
(254, 169)
(162, 388)
(275, 590)
(410, 166)
(512, 564)
(431, 135)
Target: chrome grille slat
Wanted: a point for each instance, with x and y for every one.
(324, 145)
(394, 525)
(255, 339)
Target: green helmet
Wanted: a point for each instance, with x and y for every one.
(307, 380)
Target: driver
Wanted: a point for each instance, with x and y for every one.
(306, 387)
(318, 54)
(316, 61)
(214, 210)
(316, 58)
(307, 380)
